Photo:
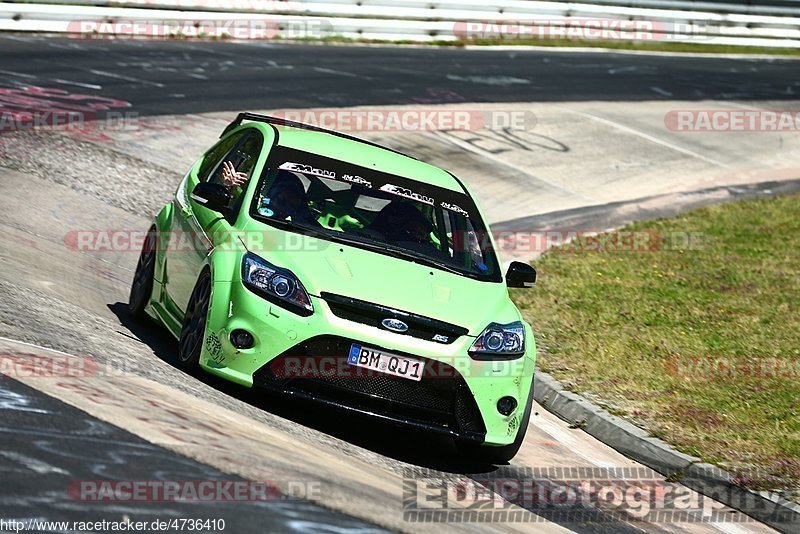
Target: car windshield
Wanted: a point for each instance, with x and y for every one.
(388, 214)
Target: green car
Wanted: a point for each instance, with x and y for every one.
(328, 268)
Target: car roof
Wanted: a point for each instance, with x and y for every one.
(364, 154)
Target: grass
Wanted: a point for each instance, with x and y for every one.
(661, 46)
(643, 46)
(695, 336)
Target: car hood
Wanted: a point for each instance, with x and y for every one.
(327, 266)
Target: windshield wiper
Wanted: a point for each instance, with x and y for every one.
(403, 254)
(304, 228)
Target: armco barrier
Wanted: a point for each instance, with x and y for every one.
(420, 20)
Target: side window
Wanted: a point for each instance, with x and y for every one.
(476, 248)
(458, 236)
(212, 162)
(243, 157)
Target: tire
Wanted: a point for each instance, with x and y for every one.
(142, 284)
(194, 324)
(487, 454)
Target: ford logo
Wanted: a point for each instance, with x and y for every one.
(396, 325)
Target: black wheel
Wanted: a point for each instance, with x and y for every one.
(486, 454)
(194, 323)
(142, 285)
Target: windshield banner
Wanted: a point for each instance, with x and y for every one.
(322, 167)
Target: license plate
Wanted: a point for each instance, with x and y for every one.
(385, 362)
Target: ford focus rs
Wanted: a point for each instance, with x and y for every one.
(328, 268)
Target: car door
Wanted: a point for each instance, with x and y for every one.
(193, 226)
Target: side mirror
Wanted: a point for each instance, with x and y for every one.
(215, 197)
(520, 275)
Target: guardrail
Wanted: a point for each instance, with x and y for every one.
(756, 7)
(412, 20)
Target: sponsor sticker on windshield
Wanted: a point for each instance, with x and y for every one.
(455, 200)
(307, 169)
(407, 193)
(354, 179)
(454, 207)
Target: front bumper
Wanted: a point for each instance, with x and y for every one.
(317, 369)
(456, 396)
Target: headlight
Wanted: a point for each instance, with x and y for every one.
(499, 342)
(275, 284)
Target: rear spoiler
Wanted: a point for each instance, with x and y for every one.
(278, 121)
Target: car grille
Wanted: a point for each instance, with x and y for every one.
(372, 314)
(441, 398)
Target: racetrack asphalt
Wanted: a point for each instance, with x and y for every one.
(177, 77)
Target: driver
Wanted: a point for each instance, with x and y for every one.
(286, 199)
(401, 221)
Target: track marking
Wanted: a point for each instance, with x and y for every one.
(648, 137)
(37, 466)
(20, 74)
(123, 77)
(487, 155)
(77, 84)
(35, 346)
(24, 39)
(339, 73)
(502, 81)
(660, 91)
(618, 70)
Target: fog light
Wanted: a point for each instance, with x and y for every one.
(242, 339)
(506, 405)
